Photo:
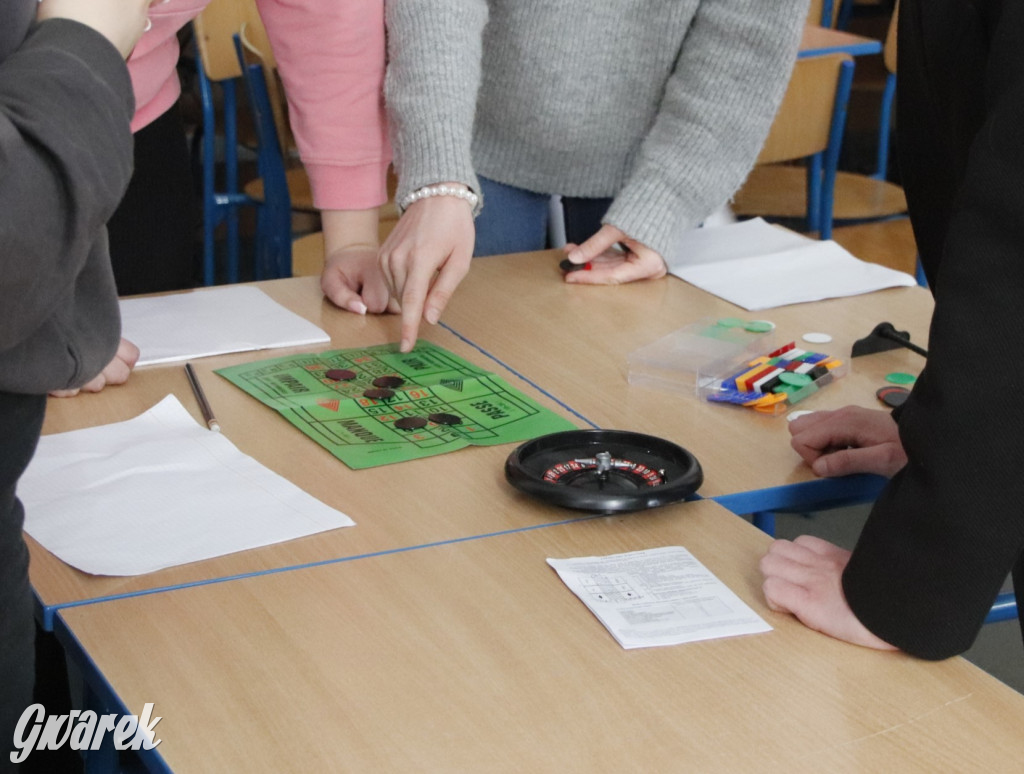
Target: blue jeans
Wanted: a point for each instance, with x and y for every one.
(515, 220)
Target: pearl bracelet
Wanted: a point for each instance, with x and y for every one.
(438, 190)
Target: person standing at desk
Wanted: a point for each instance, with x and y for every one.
(644, 116)
(60, 180)
(330, 54)
(949, 526)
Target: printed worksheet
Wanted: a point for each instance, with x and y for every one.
(659, 596)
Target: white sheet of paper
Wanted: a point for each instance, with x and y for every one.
(212, 321)
(759, 266)
(658, 596)
(158, 491)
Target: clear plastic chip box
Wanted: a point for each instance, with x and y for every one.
(697, 359)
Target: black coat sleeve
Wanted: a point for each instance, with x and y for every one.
(945, 533)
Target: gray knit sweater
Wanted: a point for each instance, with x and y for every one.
(663, 104)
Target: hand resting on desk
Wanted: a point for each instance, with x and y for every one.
(610, 266)
(804, 577)
(352, 280)
(850, 440)
(117, 371)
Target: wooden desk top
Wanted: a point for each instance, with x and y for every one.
(474, 657)
(574, 341)
(450, 496)
(586, 334)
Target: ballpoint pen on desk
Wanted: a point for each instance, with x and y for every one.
(204, 405)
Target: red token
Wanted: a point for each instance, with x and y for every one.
(445, 419)
(893, 396)
(410, 423)
(340, 374)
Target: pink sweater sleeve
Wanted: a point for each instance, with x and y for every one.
(330, 54)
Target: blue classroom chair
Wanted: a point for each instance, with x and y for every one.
(809, 126)
(221, 204)
(223, 201)
(273, 257)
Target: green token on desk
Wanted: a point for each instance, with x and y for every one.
(759, 326)
(730, 322)
(898, 377)
(795, 380)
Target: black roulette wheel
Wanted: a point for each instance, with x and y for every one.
(604, 471)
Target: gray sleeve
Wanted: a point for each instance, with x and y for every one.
(65, 160)
(433, 75)
(717, 109)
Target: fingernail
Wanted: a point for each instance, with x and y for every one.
(432, 316)
(575, 256)
(358, 307)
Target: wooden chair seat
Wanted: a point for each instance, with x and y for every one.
(778, 190)
(888, 242)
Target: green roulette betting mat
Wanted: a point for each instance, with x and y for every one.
(376, 405)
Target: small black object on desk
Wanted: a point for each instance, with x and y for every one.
(883, 338)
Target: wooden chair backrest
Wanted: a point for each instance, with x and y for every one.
(801, 126)
(214, 28)
(817, 8)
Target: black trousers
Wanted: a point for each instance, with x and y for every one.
(154, 238)
(21, 419)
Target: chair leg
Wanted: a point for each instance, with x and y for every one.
(209, 160)
(231, 175)
(1004, 609)
(922, 280)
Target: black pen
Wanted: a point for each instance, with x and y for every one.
(204, 405)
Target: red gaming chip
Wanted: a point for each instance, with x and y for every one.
(410, 423)
(388, 382)
(340, 374)
(445, 419)
(893, 396)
